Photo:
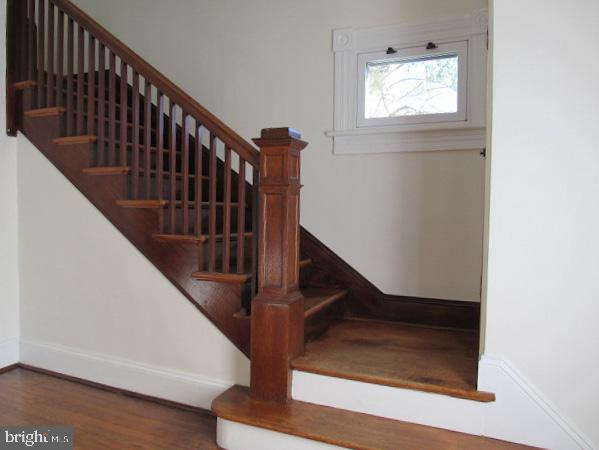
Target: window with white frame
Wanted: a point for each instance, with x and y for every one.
(411, 87)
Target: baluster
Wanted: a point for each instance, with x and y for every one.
(22, 40)
(41, 66)
(148, 139)
(199, 179)
(212, 206)
(80, 76)
(60, 60)
(101, 102)
(172, 167)
(70, 81)
(32, 41)
(227, 212)
(255, 225)
(50, 63)
(123, 114)
(241, 216)
(160, 151)
(135, 114)
(91, 84)
(185, 170)
(112, 109)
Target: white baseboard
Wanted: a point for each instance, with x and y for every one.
(9, 352)
(180, 387)
(237, 436)
(520, 413)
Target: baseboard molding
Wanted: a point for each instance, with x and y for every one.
(150, 381)
(365, 300)
(9, 352)
(520, 414)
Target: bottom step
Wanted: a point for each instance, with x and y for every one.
(331, 426)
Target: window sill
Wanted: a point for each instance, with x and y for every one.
(413, 138)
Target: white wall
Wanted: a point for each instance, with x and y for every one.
(9, 280)
(93, 306)
(542, 299)
(411, 223)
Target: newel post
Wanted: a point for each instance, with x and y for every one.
(277, 328)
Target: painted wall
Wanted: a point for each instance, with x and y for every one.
(542, 300)
(9, 279)
(93, 306)
(411, 223)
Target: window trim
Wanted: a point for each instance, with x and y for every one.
(459, 49)
(349, 43)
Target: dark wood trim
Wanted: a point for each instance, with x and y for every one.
(9, 368)
(365, 300)
(105, 387)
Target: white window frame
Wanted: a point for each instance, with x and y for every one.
(353, 47)
(459, 49)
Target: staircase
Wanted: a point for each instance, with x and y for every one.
(219, 217)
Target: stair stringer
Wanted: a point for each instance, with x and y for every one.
(177, 261)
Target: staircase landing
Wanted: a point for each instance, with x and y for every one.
(442, 361)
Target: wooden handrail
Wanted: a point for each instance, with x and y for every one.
(177, 95)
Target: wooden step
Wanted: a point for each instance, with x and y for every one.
(142, 204)
(222, 277)
(305, 263)
(106, 170)
(343, 428)
(75, 140)
(25, 84)
(112, 170)
(148, 204)
(45, 112)
(192, 239)
(441, 361)
(316, 299)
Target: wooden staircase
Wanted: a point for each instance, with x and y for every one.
(218, 217)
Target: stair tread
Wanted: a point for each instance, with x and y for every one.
(106, 170)
(164, 203)
(25, 84)
(222, 277)
(127, 169)
(193, 238)
(73, 140)
(442, 361)
(343, 428)
(316, 299)
(45, 112)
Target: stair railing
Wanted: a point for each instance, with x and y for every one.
(146, 126)
(143, 123)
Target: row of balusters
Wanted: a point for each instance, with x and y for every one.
(170, 154)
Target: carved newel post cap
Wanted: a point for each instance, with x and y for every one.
(280, 133)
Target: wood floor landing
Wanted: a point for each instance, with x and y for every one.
(101, 419)
(344, 428)
(427, 359)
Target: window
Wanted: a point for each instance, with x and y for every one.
(414, 85)
(417, 87)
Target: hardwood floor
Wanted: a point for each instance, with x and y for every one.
(101, 419)
(436, 360)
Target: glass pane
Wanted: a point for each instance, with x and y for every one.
(412, 87)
